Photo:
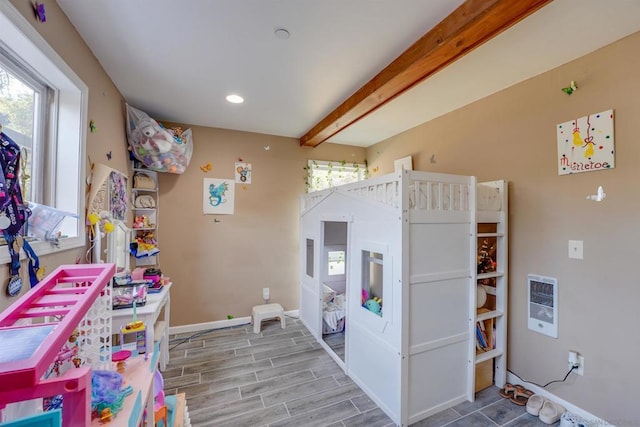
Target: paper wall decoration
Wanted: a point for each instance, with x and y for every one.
(243, 173)
(218, 196)
(586, 144)
(107, 191)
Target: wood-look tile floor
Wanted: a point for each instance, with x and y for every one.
(283, 377)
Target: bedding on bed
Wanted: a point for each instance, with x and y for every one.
(333, 309)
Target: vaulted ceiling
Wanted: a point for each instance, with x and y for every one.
(344, 71)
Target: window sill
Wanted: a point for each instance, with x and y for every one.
(44, 248)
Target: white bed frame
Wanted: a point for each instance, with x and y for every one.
(418, 358)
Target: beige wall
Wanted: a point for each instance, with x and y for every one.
(220, 268)
(105, 108)
(511, 135)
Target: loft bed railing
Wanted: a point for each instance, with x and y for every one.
(425, 191)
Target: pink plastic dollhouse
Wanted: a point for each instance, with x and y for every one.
(58, 304)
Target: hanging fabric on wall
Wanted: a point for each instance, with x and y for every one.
(13, 212)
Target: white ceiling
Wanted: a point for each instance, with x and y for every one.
(177, 60)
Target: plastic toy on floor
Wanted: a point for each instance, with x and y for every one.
(119, 357)
(159, 409)
(107, 394)
(138, 328)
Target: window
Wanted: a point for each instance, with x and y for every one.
(23, 118)
(322, 175)
(372, 281)
(43, 108)
(336, 264)
(310, 257)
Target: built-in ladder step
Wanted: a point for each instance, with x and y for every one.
(76, 279)
(56, 300)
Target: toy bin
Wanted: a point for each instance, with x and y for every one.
(124, 295)
(326, 329)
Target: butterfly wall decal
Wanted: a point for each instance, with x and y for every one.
(109, 155)
(571, 88)
(206, 167)
(40, 12)
(599, 196)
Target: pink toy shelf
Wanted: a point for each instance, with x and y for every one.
(27, 350)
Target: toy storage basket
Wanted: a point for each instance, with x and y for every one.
(326, 329)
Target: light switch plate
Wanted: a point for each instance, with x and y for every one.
(575, 249)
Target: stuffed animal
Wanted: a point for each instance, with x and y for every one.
(138, 222)
(373, 306)
(152, 137)
(158, 148)
(365, 296)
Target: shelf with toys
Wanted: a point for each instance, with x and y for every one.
(491, 297)
(144, 202)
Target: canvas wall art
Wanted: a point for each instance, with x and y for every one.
(586, 144)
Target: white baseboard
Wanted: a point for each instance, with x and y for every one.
(221, 324)
(590, 418)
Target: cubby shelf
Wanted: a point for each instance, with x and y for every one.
(489, 315)
(491, 238)
(490, 275)
(150, 213)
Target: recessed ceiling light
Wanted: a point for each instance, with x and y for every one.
(282, 33)
(235, 99)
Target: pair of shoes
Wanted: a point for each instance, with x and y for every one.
(507, 391)
(534, 404)
(521, 395)
(549, 412)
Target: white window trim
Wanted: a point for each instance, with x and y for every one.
(33, 48)
(387, 277)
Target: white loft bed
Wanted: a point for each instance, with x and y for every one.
(417, 357)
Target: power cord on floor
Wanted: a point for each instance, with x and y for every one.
(190, 337)
(573, 368)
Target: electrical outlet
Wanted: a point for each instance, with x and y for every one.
(575, 249)
(265, 294)
(580, 370)
(576, 359)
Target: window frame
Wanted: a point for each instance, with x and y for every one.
(66, 123)
(42, 116)
(378, 322)
(336, 277)
(330, 166)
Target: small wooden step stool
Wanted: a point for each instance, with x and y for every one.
(264, 312)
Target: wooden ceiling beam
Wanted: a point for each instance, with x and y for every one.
(469, 26)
